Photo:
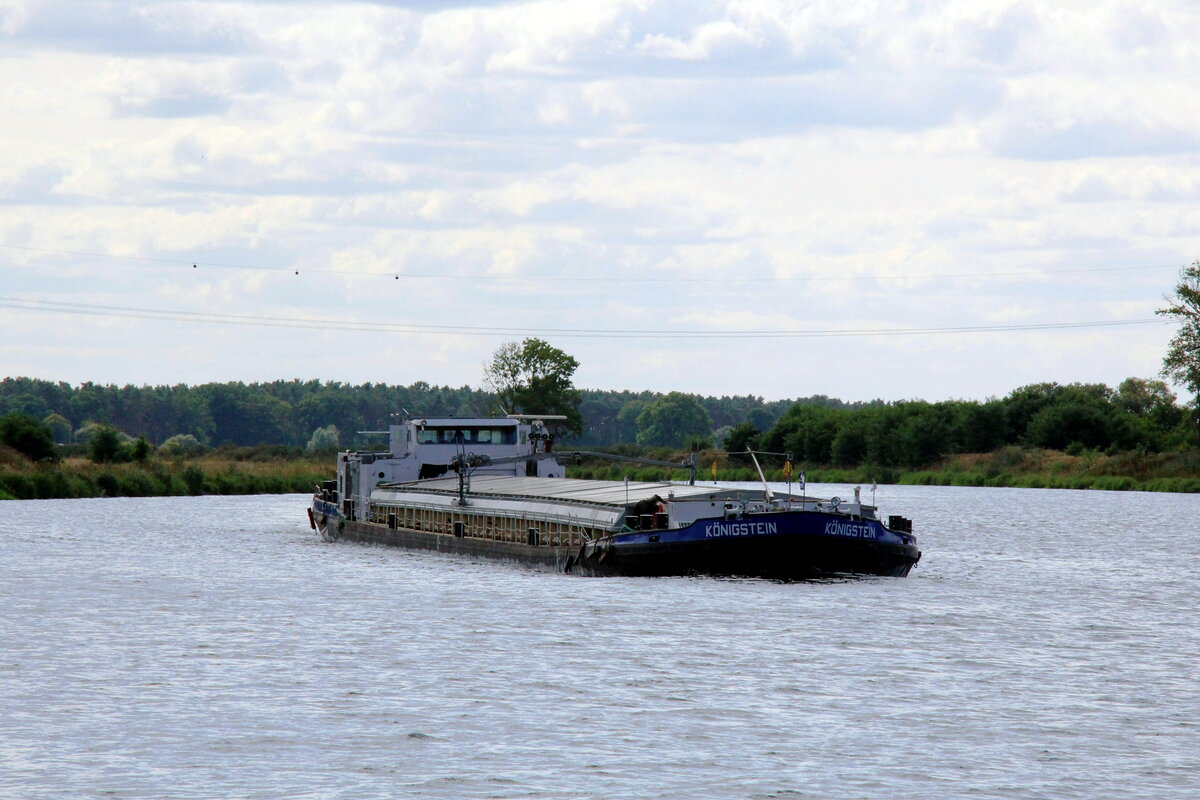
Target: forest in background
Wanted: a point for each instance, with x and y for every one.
(1139, 415)
(59, 440)
(289, 412)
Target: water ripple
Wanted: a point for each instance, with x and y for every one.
(215, 647)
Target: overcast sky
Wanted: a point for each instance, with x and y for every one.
(640, 183)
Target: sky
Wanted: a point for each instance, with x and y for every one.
(859, 199)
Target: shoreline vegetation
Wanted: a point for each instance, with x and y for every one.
(217, 474)
(1012, 467)
(251, 471)
(62, 441)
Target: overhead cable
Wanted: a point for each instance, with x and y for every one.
(126, 312)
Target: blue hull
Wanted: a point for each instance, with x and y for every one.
(786, 546)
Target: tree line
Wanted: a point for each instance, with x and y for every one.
(1139, 414)
(293, 413)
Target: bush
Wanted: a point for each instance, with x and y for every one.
(140, 450)
(193, 479)
(137, 484)
(20, 487)
(104, 444)
(27, 436)
(89, 429)
(184, 445)
(259, 452)
(108, 484)
(323, 440)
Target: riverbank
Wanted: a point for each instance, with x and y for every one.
(77, 477)
(225, 475)
(1017, 467)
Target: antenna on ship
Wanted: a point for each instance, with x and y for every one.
(766, 489)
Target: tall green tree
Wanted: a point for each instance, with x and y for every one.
(1182, 362)
(534, 377)
(671, 420)
(104, 445)
(59, 427)
(323, 440)
(741, 437)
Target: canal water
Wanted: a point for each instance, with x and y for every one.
(1046, 646)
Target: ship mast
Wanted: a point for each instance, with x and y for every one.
(766, 489)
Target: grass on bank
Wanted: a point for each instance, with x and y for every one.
(1010, 466)
(210, 474)
(255, 471)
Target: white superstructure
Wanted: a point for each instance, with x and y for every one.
(419, 449)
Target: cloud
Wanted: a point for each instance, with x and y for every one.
(710, 39)
(840, 156)
(1092, 188)
(34, 185)
(758, 108)
(1050, 141)
(173, 106)
(119, 27)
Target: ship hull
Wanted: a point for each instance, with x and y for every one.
(790, 545)
(786, 546)
(334, 527)
(778, 558)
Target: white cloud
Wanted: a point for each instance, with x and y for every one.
(841, 156)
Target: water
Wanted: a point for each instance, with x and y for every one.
(1045, 647)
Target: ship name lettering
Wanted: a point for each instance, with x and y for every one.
(851, 529)
(718, 529)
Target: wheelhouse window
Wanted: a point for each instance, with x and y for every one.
(468, 435)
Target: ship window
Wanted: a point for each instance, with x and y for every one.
(469, 435)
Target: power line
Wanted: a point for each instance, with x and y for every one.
(126, 312)
(586, 278)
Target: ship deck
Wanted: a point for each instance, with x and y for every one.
(615, 494)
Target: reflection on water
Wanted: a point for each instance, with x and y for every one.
(215, 647)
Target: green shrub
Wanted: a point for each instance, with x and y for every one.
(50, 484)
(27, 436)
(104, 444)
(140, 450)
(18, 486)
(108, 484)
(323, 440)
(137, 484)
(182, 445)
(193, 479)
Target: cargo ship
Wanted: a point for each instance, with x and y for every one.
(497, 488)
